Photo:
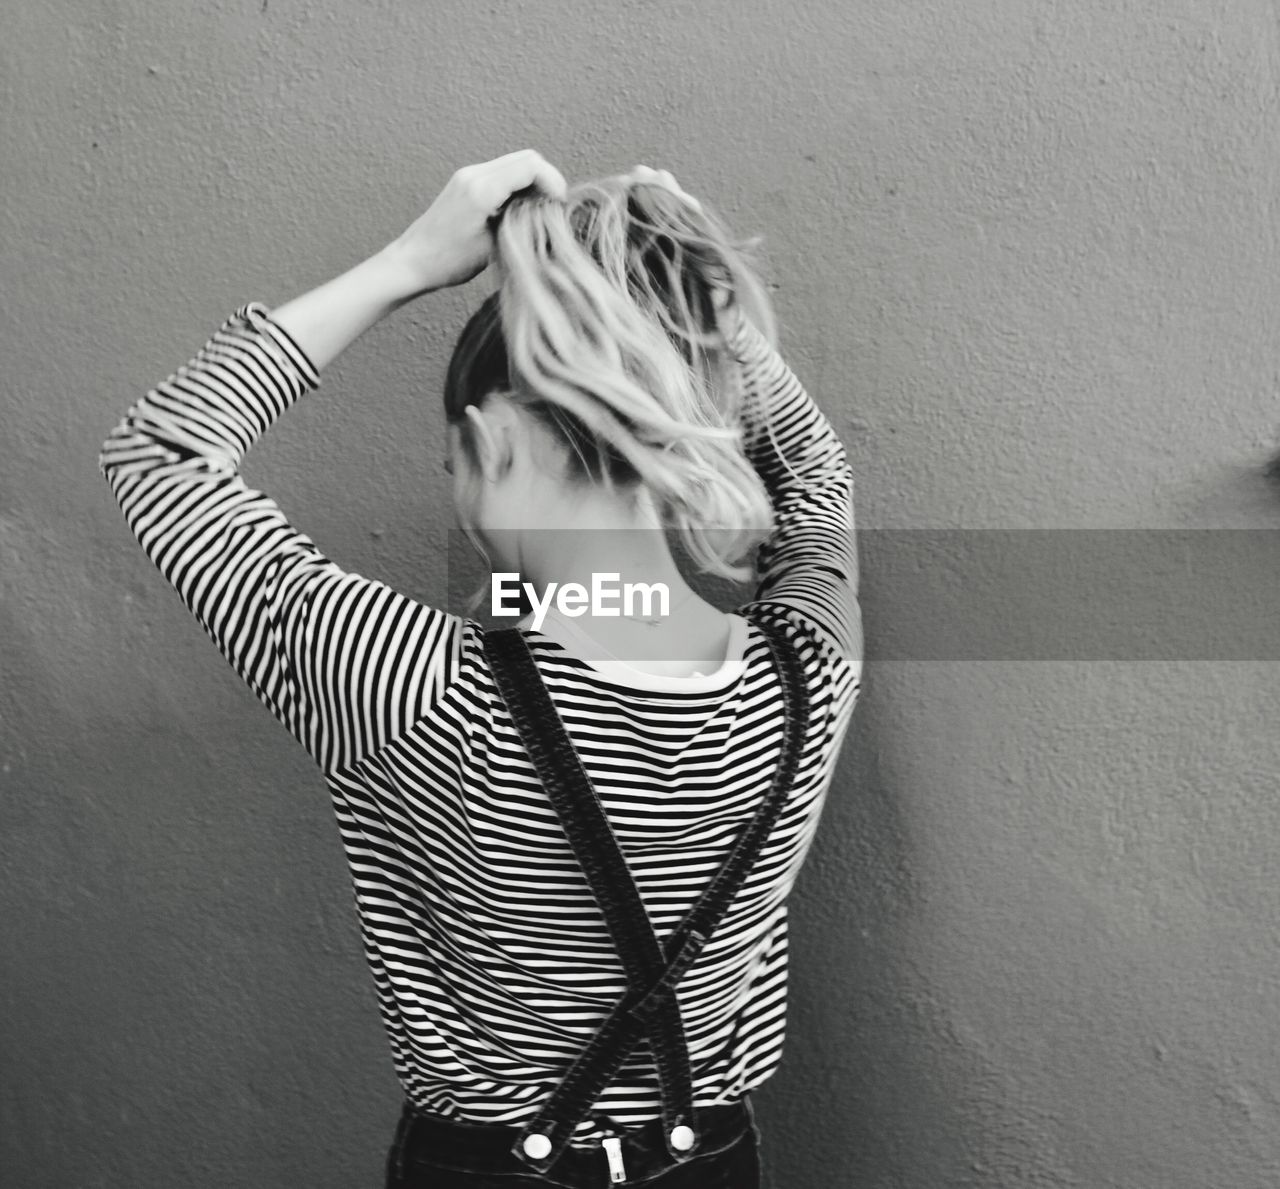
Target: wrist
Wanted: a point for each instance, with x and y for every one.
(326, 320)
(410, 271)
(402, 277)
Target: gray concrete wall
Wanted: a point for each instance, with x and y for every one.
(1024, 252)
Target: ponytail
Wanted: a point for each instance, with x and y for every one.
(607, 326)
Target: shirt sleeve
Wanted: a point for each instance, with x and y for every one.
(809, 564)
(344, 662)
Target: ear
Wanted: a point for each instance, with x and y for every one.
(494, 459)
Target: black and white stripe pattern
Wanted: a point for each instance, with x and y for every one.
(491, 960)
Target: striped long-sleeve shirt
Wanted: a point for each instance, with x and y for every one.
(491, 960)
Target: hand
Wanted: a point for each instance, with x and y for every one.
(452, 241)
(662, 177)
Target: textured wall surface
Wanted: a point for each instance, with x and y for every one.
(1024, 253)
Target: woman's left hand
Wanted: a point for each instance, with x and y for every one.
(452, 241)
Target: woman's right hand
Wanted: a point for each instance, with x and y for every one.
(453, 240)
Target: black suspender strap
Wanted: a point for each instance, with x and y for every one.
(653, 967)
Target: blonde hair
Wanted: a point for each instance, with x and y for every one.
(607, 326)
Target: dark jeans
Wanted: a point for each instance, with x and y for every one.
(431, 1152)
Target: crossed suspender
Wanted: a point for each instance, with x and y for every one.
(653, 967)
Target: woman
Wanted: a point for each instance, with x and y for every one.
(571, 843)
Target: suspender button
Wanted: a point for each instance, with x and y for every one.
(536, 1146)
(682, 1137)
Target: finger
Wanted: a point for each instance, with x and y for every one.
(638, 174)
(525, 168)
(656, 177)
(550, 180)
(665, 178)
(669, 180)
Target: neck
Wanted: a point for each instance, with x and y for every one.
(597, 536)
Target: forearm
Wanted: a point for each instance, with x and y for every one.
(810, 561)
(786, 436)
(325, 321)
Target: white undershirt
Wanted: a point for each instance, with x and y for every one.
(567, 633)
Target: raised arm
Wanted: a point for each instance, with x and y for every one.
(343, 661)
(810, 563)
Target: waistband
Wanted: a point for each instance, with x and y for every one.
(641, 1152)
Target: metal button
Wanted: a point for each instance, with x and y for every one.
(536, 1146)
(682, 1137)
(613, 1150)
